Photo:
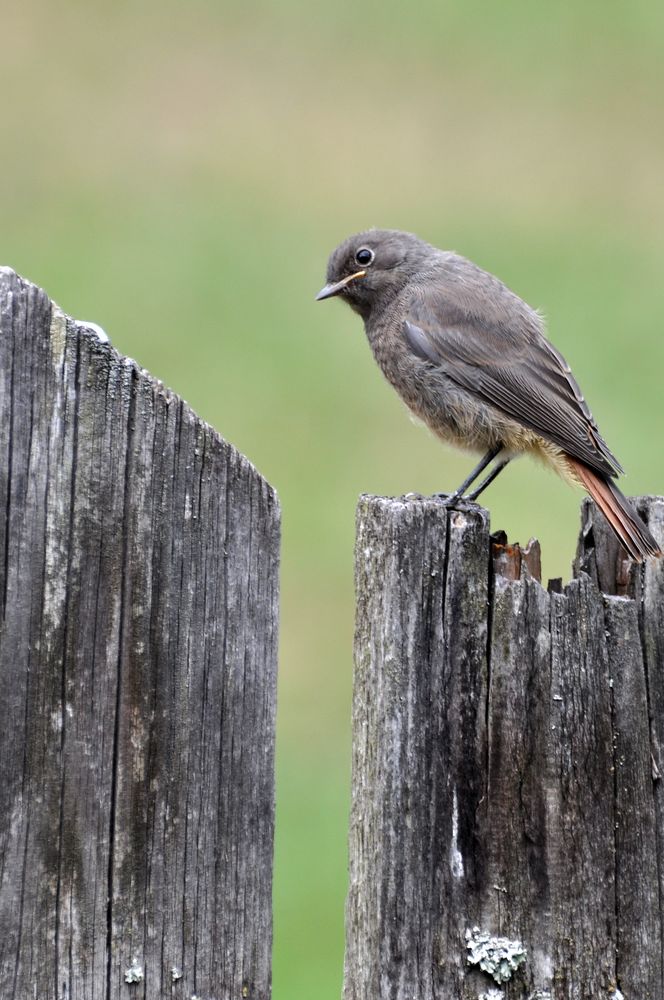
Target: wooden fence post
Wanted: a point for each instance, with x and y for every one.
(139, 589)
(507, 818)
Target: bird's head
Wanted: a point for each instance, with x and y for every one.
(367, 270)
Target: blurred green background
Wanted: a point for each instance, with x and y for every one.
(179, 172)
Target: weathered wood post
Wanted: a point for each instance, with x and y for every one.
(138, 580)
(507, 820)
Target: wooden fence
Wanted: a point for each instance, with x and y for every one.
(507, 819)
(507, 822)
(138, 580)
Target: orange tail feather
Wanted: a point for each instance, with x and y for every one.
(618, 511)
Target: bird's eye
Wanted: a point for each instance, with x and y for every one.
(364, 256)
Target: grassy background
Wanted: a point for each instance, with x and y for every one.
(179, 173)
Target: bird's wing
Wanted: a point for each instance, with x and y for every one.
(501, 355)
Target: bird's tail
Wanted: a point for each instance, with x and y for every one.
(618, 511)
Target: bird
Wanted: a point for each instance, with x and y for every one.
(470, 358)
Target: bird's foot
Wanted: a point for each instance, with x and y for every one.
(455, 500)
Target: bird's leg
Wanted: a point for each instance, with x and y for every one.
(451, 498)
(497, 469)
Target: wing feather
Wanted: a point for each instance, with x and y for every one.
(501, 354)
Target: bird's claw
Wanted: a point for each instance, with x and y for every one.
(453, 500)
(446, 499)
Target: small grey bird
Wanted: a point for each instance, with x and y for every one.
(470, 358)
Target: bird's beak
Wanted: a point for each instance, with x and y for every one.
(338, 286)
